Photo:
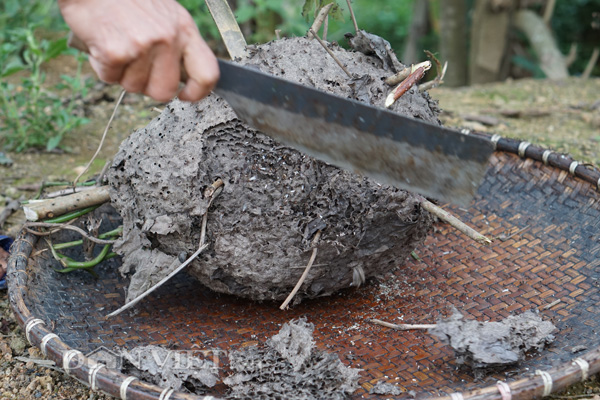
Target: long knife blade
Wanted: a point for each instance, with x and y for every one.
(390, 148)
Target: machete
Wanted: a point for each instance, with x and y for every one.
(392, 149)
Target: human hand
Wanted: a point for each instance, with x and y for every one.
(143, 44)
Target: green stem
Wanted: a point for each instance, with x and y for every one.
(72, 264)
(72, 215)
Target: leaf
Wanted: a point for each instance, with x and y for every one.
(53, 143)
(12, 67)
(336, 12)
(56, 48)
(307, 9)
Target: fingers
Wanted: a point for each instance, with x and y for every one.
(202, 68)
(107, 73)
(163, 81)
(136, 74)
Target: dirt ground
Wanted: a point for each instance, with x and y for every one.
(564, 116)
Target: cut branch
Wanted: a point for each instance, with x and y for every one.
(404, 73)
(50, 208)
(405, 86)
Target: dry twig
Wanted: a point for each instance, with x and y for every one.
(110, 120)
(159, 284)
(441, 73)
(352, 16)
(454, 222)
(401, 327)
(58, 227)
(313, 256)
(322, 43)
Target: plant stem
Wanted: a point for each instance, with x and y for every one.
(115, 232)
(72, 215)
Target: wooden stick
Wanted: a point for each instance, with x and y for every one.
(404, 73)
(319, 20)
(330, 53)
(313, 256)
(401, 327)
(228, 27)
(50, 208)
(454, 222)
(404, 86)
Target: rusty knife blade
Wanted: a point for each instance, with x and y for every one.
(390, 148)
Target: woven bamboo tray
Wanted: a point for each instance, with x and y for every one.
(543, 208)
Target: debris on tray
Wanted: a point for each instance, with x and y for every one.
(290, 367)
(497, 343)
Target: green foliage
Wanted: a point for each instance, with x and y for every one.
(311, 9)
(33, 116)
(25, 13)
(199, 11)
(260, 18)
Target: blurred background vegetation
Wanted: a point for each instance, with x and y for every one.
(32, 32)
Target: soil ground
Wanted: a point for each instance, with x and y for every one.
(564, 116)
